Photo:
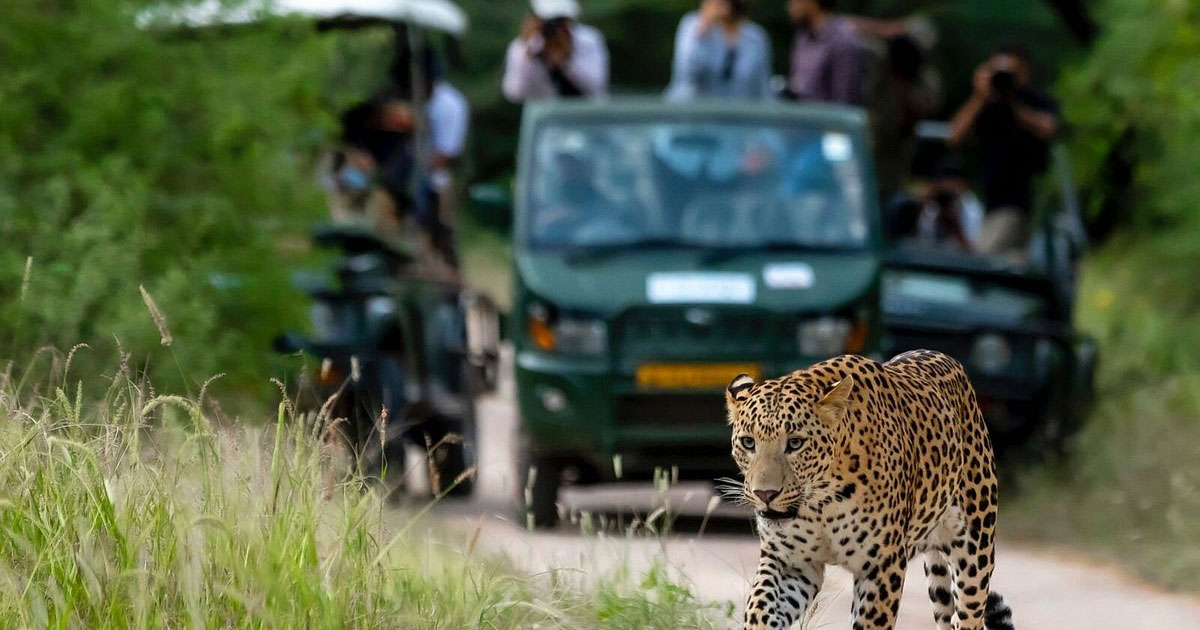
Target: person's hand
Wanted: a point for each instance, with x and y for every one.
(983, 81)
(359, 159)
(531, 28)
(558, 49)
(397, 116)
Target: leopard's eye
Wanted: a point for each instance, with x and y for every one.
(794, 444)
(747, 442)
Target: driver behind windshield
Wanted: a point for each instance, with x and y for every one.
(576, 210)
(696, 185)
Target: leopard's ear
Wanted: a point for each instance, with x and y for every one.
(832, 407)
(737, 393)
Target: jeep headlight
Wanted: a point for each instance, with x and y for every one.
(823, 337)
(566, 333)
(991, 353)
(380, 308)
(581, 336)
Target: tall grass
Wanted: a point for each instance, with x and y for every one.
(137, 512)
(1131, 491)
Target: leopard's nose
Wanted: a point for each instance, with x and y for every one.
(766, 495)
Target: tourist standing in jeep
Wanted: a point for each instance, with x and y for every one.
(1014, 124)
(555, 55)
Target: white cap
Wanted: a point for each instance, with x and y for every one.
(550, 9)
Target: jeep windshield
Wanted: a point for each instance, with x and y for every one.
(724, 186)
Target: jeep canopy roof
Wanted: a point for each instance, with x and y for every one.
(436, 15)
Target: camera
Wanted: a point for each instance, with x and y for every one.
(1004, 82)
(552, 27)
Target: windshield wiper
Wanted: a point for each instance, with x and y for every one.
(582, 253)
(720, 254)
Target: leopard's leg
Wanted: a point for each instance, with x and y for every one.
(782, 592)
(972, 556)
(877, 594)
(941, 586)
(938, 571)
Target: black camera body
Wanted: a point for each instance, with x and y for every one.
(1004, 82)
(552, 27)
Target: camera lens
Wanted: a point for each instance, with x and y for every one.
(551, 27)
(1004, 81)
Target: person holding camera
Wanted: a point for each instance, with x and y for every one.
(1014, 124)
(952, 216)
(555, 56)
(720, 54)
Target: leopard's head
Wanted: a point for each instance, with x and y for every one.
(784, 438)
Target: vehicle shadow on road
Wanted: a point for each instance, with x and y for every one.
(594, 519)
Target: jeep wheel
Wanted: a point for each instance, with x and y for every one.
(542, 478)
(450, 462)
(454, 453)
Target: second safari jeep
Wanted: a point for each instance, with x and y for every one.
(663, 248)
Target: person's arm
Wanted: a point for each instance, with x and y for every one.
(588, 66)
(883, 29)
(964, 119)
(518, 68)
(1041, 123)
(449, 123)
(686, 64)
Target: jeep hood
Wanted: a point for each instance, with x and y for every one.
(785, 283)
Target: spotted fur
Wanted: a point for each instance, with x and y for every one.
(865, 465)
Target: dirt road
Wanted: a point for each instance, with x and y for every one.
(1046, 590)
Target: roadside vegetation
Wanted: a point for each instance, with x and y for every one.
(138, 512)
(182, 165)
(1131, 491)
(138, 169)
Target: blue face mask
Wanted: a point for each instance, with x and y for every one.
(354, 179)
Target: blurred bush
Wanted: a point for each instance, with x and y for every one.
(181, 162)
(1135, 113)
(1133, 488)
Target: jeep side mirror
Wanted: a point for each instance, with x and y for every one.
(491, 205)
(287, 343)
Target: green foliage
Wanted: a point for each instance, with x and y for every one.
(106, 525)
(1141, 76)
(181, 163)
(1132, 490)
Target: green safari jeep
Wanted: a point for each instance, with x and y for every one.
(663, 248)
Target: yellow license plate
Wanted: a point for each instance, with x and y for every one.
(692, 375)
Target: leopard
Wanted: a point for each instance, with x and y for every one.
(865, 465)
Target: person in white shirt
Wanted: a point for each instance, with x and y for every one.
(555, 56)
(447, 117)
